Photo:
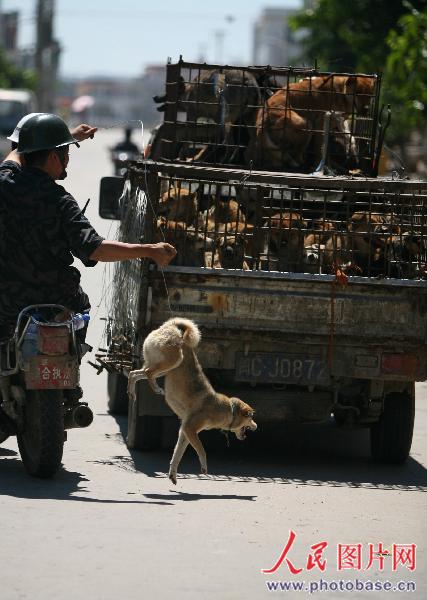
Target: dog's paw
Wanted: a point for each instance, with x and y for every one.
(160, 391)
(204, 470)
(172, 477)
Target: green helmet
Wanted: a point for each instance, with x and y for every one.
(44, 131)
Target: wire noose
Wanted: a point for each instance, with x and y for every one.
(163, 236)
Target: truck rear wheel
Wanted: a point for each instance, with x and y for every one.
(144, 431)
(117, 394)
(391, 436)
(41, 441)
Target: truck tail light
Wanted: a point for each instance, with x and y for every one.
(399, 364)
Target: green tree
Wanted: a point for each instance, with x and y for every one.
(405, 76)
(350, 36)
(12, 77)
(374, 36)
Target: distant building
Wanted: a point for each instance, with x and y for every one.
(153, 83)
(275, 43)
(115, 100)
(9, 31)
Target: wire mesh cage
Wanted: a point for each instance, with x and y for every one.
(368, 228)
(263, 223)
(123, 294)
(274, 119)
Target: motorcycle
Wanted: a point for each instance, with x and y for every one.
(121, 160)
(39, 386)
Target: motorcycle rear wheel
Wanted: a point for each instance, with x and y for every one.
(41, 441)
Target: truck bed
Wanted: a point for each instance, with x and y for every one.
(356, 329)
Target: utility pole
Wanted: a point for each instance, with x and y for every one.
(219, 45)
(47, 55)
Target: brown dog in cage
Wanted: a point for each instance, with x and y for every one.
(285, 234)
(222, 101)
(226, 210)
(191, 245)
(381, 247)
(233, 242)
(369, 234)
(170, 350)
(229, 252)
(372, 246)
(359, 250)
(179, 204)
(403, 252)
(289, 128)
(315, 244)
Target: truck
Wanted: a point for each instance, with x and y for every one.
(308, 282)
(14, 104)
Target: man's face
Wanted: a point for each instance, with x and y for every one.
(60, 160)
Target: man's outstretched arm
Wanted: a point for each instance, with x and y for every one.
(110, 251)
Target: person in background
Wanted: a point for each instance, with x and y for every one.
(126, 145)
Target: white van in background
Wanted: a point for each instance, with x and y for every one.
(14, 104)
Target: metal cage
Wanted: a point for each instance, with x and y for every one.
(274, 119)
(218, 218)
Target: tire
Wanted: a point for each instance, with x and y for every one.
(6, 427)
(41, 441)
(148, 433)
(340, 418)
(391, 436)
(144, 431)
(117, 394)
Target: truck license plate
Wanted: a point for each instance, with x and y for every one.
(273, 367)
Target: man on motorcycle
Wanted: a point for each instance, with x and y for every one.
(42, 227)
(126, 145)
(123, 152)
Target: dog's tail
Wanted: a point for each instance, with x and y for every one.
(190, 332)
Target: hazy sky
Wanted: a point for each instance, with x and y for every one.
(111, 37)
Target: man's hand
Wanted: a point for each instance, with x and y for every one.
(83, 132)
(162, 253)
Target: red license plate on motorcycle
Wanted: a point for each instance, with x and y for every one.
(51, 372)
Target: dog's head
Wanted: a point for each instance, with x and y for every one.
(243, 418)
(406, 246)
(286, 230)
(371, 232)
(352, 92)
(362, 90)
(178, 204)
(231, 250)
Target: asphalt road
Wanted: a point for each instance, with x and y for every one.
(111, 525)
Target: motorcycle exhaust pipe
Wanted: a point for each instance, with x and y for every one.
(78, 416)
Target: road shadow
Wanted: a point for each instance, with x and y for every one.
(188, 497)
(66, 485)
(314, 455)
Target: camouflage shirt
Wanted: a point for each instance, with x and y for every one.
(41, 229)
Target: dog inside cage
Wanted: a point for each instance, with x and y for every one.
(293, 228)
(272, 119)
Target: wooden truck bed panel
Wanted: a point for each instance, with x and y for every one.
(360, 310)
